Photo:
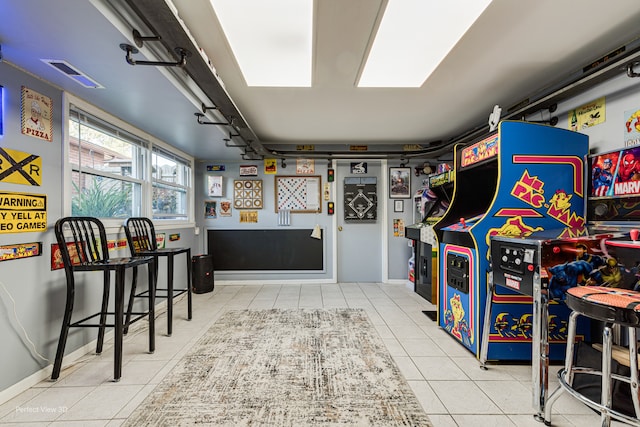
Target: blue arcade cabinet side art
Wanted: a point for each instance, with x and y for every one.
(522, 179)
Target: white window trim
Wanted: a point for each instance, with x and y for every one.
(115, 225)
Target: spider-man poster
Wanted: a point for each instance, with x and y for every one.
(616, 173)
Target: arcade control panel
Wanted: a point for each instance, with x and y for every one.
(514, 266)
(458, 272)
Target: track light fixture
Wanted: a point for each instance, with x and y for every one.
(202, 122)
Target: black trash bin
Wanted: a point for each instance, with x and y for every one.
(202, 273)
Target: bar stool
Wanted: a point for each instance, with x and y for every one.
(613, 307)
(141, 237)
(83, 246)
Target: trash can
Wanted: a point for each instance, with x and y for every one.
(202, 271)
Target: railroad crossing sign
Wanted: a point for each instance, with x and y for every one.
(20, 168)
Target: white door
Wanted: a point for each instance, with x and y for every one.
(359, 243)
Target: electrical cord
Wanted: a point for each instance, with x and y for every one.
(24, 331)
(134, 330)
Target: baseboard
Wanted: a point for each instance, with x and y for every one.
(272, 282)
(44, 373)
(69, 359)
(407, 283)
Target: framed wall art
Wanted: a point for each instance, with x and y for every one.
(247, 194)
(399, 183)
(36, 115)
(299, 194)
(210, 209)
(214, 184)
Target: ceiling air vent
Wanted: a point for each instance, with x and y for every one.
(68, 70)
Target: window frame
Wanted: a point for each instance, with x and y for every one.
(158, 182)
(147, 180)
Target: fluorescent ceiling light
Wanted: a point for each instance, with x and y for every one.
(414, 36)
(271, 40)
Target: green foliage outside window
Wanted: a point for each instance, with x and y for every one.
(101, 200)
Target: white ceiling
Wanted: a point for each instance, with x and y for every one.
(515, 49)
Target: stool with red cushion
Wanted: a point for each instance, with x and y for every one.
(613, 307)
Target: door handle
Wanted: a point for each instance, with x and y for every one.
(339, 228)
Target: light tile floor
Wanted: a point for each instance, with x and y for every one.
(445, 377)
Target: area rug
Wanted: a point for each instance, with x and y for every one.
(285, 368)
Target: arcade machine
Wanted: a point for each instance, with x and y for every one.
(522, 179)
(545, 264)
(431, 202)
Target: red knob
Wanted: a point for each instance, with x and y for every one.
(634, 234)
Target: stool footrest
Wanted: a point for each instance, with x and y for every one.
(176, 293)
(82, 322)
(592, 404)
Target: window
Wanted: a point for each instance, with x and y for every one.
(171, 181)
(107, 168)
(116, 174)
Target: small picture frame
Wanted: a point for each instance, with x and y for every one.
(210, 209)
(399, 183)
(215, 185)
(398, 205)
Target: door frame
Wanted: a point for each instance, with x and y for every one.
(383, 202)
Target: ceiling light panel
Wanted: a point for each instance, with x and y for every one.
(414, 36)
(271, 40)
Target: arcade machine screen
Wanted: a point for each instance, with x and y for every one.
(479, 196)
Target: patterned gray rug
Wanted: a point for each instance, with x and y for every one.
(285, 368)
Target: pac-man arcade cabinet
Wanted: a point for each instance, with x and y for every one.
(521, 179)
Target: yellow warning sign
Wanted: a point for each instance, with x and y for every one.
(20, 168)
(22, 213)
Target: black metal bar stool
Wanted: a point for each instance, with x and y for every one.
(613, 307)
(83, 247)
(141, 237)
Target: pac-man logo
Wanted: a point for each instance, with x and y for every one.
(20, 168)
